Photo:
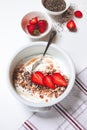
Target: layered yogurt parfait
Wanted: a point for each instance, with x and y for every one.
(47, 82)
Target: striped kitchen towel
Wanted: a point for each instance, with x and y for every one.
(69, 114)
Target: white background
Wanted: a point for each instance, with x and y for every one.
(12, 38)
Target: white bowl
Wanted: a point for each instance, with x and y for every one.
(57, 12)
(35, 49)
(40, 15)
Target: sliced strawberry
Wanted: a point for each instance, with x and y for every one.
(33, 20)
(47, 80)
(71, 25)
(32, 29)
(42, 24)
(37, 78)
(59, 80)
(78, 14)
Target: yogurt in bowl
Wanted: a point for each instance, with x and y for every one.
(36, 92)
(20, 77)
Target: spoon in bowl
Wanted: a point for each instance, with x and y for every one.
(52, 35)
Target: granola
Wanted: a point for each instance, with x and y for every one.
(31, 91)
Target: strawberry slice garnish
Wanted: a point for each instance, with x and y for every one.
(71, 25)
(47, 80)
(33, 20)
(37, 78)
(59, 80)
(42, 24)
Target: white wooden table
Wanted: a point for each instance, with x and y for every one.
(12, 37)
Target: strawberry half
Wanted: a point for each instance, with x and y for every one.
(71, 25)
(33, 20)
(37, 78)
(47, 80)
(42, 24)
(32, 29)
(59, 80)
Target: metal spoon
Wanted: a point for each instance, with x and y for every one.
(52, 35)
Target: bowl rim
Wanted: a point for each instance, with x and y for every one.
(50, 103)
(46, 17)
(57, 12)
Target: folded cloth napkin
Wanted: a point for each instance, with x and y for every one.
(69, 114)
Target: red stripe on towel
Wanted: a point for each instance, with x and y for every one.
(67, 116)
(28, 126)
(82, 88)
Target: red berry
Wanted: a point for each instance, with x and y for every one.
(78, 14)
(47, 80)
(71, 25)
(37, 78)
(33, 20)
(59, 80)
(32, 29)
(42, 24)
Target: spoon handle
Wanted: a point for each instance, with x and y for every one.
(52, 35)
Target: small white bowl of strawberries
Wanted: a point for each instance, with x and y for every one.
(36, 24)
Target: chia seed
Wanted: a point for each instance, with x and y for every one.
(55, 5)
(67, 15)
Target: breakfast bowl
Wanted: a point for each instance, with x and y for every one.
(27, 87)
(36, 24)
(55, 7)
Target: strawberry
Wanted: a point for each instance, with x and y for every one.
(71, 25)
(32, 29)
(37, 78)
(78, 14)
(42, 24)
(47, 80)
(33, 20)
(59, 80)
